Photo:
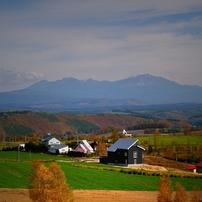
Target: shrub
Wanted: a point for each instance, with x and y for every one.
(180, 194)
(196, 194)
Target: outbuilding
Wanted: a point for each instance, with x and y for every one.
(58, 149)
(84, 147)
(124, 152)
(199, 167)
(191, 169)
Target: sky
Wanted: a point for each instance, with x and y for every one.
(99, 39)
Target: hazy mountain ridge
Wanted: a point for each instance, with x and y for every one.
(73, 93)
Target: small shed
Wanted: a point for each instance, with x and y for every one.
(191, 169)
(58, 149)
(199, 167)
(125, 152)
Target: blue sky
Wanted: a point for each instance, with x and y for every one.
(102, 40)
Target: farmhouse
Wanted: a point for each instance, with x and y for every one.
(199, 167)
(84, 147)
(126, 134)
(58, 149)
(124, 152)
(49, 140)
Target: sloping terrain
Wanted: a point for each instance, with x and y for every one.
(27, 122)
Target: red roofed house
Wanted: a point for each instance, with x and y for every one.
(199, 167)
(191, 169)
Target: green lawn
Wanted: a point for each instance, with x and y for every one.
(17, 174)
(27, 156)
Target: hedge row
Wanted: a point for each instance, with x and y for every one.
(140, 172)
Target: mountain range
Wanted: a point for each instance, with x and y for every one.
(72, 94)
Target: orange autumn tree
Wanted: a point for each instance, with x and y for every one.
(49, 184)
(101, 149)
(180, 193)
(196, 194)
(165, 190)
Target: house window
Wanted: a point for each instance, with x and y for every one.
(125, 153)
(135, 154)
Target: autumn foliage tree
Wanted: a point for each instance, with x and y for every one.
(196, 194)
(101, 149)
(180, 194)
(49, 184)
(165, 190)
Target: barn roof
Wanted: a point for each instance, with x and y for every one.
(191, 168)
(58, 146)
(199, 164)
(87, 145)
(122, 143)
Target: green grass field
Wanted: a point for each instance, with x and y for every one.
(167, 140)
(17, 174)
(27, 156)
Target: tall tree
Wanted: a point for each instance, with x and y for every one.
(49, 184)
(165, 190)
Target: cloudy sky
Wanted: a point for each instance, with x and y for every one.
(99, 39)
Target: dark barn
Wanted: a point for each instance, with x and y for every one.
(124, 152)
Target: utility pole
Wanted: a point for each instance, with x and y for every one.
(18, 153)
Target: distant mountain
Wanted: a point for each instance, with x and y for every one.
(70, 93)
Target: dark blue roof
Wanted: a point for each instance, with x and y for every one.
(122, 143)
(48, 137)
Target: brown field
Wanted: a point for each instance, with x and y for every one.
(22, 195)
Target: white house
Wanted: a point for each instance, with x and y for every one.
(84, 147)
(49, 140)
(58, 149)
(126, 134)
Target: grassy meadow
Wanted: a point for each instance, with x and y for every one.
(28, 156)
(168, 140)
(16, 175)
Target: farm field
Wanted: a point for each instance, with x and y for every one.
(168, 140)
(82, 176)
(27, 156)
(89, 181)
(22, 195)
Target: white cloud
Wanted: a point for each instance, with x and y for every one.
(14, 76)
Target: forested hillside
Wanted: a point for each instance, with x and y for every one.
(21, 123)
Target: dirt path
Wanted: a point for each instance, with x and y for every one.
(22, 195)
(118, 196)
